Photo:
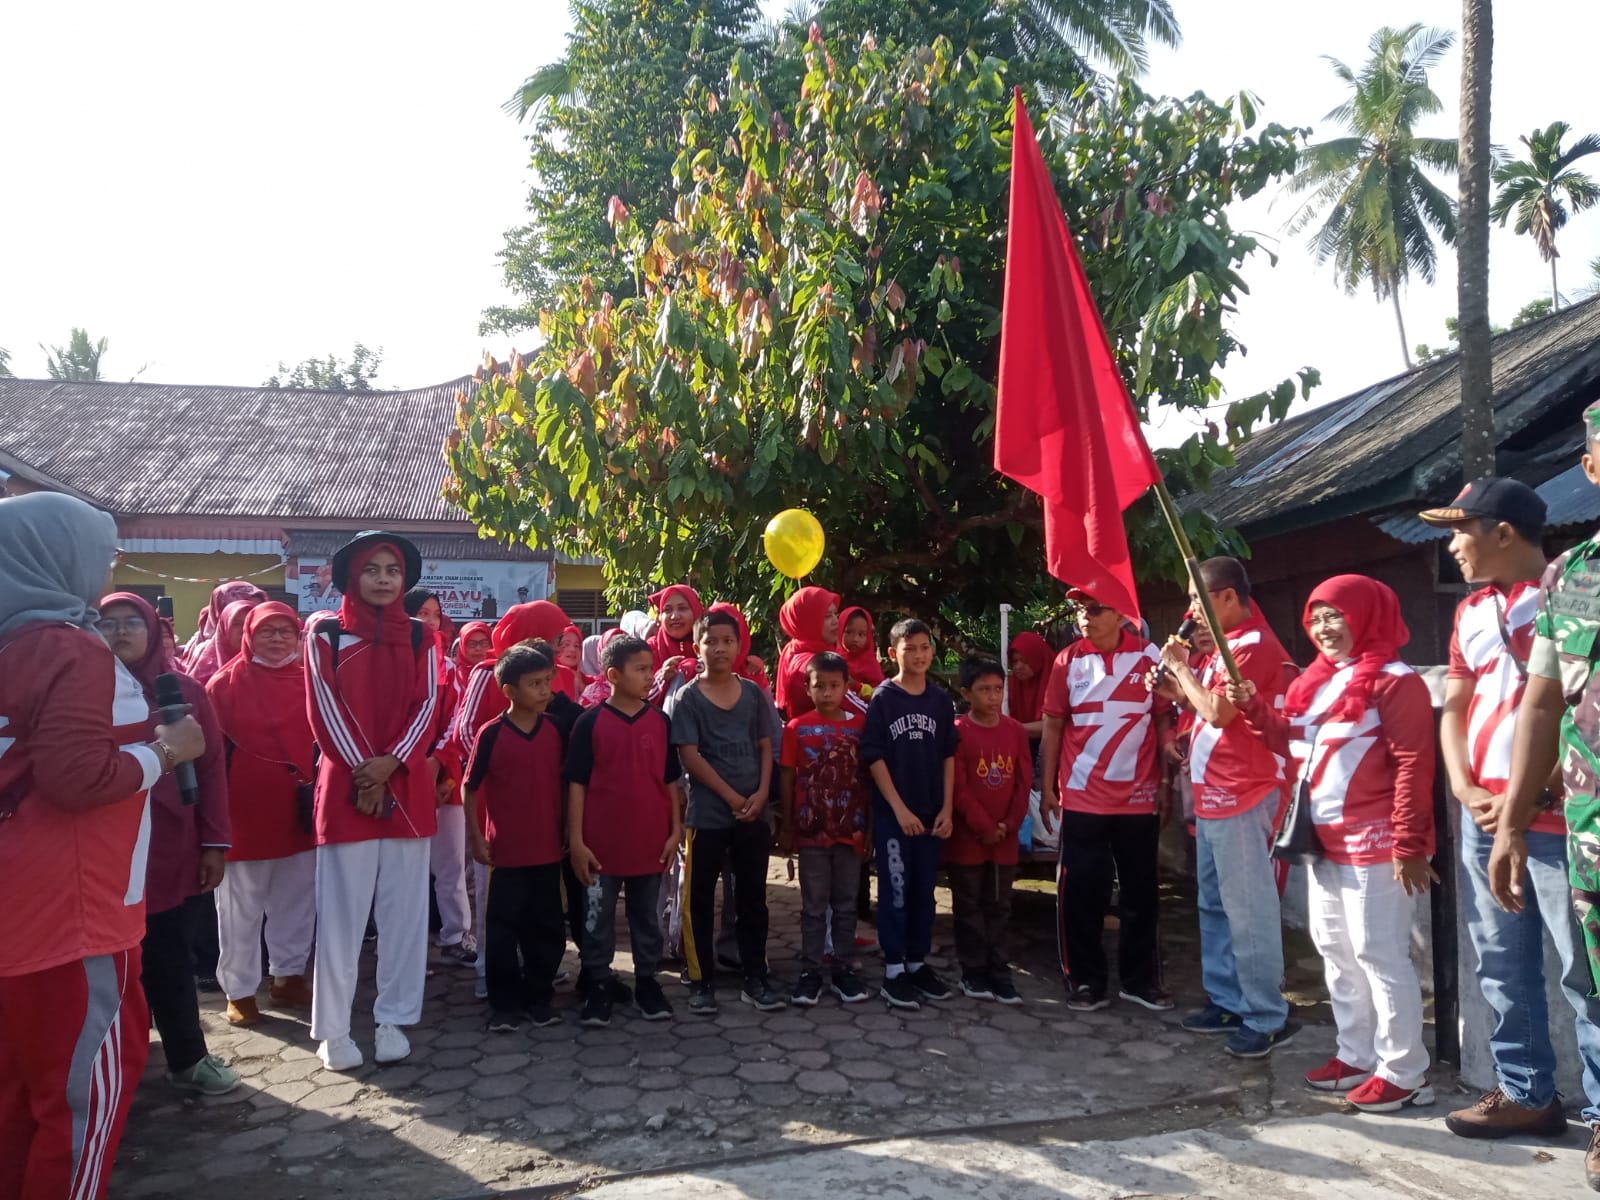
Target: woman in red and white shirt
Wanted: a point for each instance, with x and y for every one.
(1362, 736)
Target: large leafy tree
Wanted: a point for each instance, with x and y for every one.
(358, 373)
(5, 364)
(1379, 210)
(78, 360)
(1537, 190)
(817, 323)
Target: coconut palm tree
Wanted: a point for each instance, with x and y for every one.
(1380, 211)
(79, 359)
(1472, 240)
(1539, 188)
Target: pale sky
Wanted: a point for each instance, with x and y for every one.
(215, 188)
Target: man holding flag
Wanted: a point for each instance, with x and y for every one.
(1065, 428)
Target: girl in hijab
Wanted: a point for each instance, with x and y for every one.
(73, 832)
(200, 655)
(678, 607)
(569, 653)
(1030, 660)
(746, 664)
(599, 689)
(373, 691)
(188, 844)
(1361, 738)
(260, 703)
(811, 619)
(230, 634)
(858, 643)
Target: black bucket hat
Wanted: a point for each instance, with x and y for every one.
(372, 537)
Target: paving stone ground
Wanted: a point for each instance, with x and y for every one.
(472, 1112)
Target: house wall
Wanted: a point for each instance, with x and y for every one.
(188, 599)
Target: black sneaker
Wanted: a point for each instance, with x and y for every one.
(651, 1001)
(900, 992)
(596, 1009)
(847, 985)
(806, 989)
(702, 1000)
(761, 995)
(505, 1022)
(926, 981)
(621, 993)
(1245, 1042)
(541, 1016)
(1084, 998)
(977, 987)
(1152, 997)
(1005, 991)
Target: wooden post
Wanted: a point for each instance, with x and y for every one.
(1175, 523)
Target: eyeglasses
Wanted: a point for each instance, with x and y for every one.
(1094, 610)
(127, 625)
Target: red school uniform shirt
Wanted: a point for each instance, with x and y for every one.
(627, 766)
(1372, 778)
(1479, 653)
(994, 774)
(830, 784)
(1108, 742)
(516, 778)
(1234, 768)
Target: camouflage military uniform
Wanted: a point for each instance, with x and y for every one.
(1567, 648)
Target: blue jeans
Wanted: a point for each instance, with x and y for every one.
(1510, 949)
(1241, 937)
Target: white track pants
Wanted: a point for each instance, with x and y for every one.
(283, 890)
(1361, 923)
(389, 877)
(448, 862)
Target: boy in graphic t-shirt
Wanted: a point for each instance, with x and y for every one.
(825, 817)
(994, 774)
(622, 822)
(909, 747)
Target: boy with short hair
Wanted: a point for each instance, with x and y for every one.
(722, 727)
(623, 826)
(825, 818)
(994, 774)
(909, 747)
(515, 774)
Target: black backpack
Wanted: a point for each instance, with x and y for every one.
(335, 631)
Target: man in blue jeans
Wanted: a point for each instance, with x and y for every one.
(1496, 527)
(1238, 787)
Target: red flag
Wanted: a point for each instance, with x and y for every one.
(1064, 426)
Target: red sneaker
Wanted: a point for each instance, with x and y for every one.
(1379, 1095)
(1336, 1075)
(863, 942)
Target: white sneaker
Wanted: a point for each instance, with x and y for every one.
(392, 1045)
(340, 1054)
(480, 990)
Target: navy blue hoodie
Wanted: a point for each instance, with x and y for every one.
(912, 735)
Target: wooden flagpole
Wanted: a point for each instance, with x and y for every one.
(1175, 523)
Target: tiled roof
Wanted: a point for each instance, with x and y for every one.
(234, 452)
(1398, 443)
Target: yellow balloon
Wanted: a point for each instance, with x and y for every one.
(794, 542)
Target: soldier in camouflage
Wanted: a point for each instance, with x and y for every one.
(1560, 719)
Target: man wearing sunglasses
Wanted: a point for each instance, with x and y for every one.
(1238, 787)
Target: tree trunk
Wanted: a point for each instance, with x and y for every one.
(1399, 319)
(1472, 242)
(1555, 292)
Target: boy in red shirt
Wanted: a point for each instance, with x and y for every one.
(994, 774)
(824, 796)
(515, 773)
(624, 826)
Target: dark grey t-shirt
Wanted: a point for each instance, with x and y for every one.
(729, 740)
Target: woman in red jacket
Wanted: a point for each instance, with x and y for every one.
(188, 843)
(260, 702)
(1361, 734)
(373, 688)
(811, 619)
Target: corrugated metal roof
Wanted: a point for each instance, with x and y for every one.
(1570, 498)
(235, 452)
(1395, 441)
(1406, 528)
(322, 543)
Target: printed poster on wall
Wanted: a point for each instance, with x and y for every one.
(467, 590)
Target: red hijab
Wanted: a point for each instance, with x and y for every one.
(1372, 611)
(864, 664)
(801, 617)
(377, 685)
(262, 709)
(1026, 700)
(663, 644)
(155, 661)
(463, 667)
(741, 664)
(230, 634)
(538, 621)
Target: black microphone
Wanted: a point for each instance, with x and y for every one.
(1185, 634)
(173, 708)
